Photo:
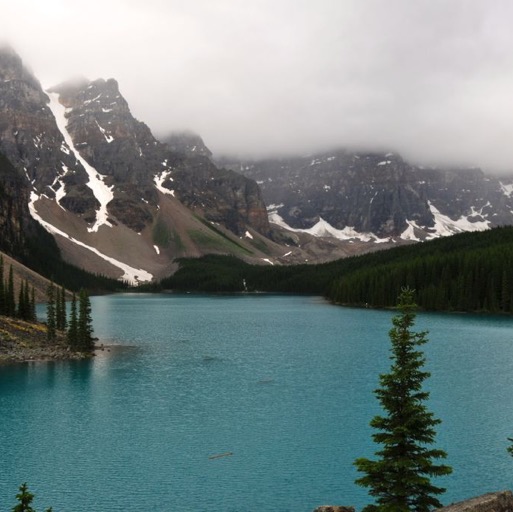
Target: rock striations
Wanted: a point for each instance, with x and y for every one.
(122, 203)
(377, 195)
(119, 201)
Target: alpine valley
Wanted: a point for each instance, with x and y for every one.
(121, 203)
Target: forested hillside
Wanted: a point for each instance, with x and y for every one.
(466, 272)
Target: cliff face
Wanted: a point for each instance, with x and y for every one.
(97, 178)
(125, 151)
(379, 194)
(15, 220)
(221, 195)
(31, 140)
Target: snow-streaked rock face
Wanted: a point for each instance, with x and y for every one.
(378, 195)
(131, 275)
(96, 183)
(103, 173)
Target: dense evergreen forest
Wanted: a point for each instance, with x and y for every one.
(465, 272)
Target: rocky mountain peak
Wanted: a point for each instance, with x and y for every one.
(117, 200)
(12, 67)
(188, 143)
(377, 195)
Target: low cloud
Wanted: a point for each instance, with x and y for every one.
(431, 79)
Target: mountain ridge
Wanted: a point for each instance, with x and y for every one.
(122, 203)
(378, 195)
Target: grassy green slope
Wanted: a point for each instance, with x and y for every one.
(466, 272)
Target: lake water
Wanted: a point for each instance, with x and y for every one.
(281, 384)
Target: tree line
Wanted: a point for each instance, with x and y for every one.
(465, 272)
(25, 306)
(469, 277)
(77, 326)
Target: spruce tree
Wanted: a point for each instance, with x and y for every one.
(50, 312)
(60, 309)
(26, 302)
(399, 479)
(21, 313)
(33, 316)
(25, 498)
(9, 296)
(85, 322)
(3, 303)
(72, 334)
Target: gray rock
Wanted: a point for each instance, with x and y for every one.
(501, 501)
(374, 192)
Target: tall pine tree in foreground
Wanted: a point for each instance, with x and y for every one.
(25, 498)
(400, 479)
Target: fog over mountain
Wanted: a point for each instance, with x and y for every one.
(430, 79)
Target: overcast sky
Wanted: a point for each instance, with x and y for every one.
(432, 79)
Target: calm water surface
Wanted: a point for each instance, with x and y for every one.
(284, 384)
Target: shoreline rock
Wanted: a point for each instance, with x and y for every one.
(22, 342)
(500, 501)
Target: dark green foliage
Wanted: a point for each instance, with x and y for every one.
(9, 294)
(160, 233)
(24, 310)
(60, 309)
(85, 340)
(3, 303)
(25, 499)
(466, 272)
(44, 257)
(50, 313)
(72, 334)
(33, 316)
(215, 273)
(399, 479)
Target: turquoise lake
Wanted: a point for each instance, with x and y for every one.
(280, 386)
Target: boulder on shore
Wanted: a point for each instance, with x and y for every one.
(501, 501)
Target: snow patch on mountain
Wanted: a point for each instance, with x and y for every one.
(323, 228)
(445, 226)
(507, 188)
(108, 137)
(409, 232)
(133, 275)
(101, 191)
(159, 182)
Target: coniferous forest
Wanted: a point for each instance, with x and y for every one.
(467, 272)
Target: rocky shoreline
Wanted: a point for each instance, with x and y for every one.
(22, 341)
(501, 501)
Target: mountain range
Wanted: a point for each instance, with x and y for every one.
(122, 203)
